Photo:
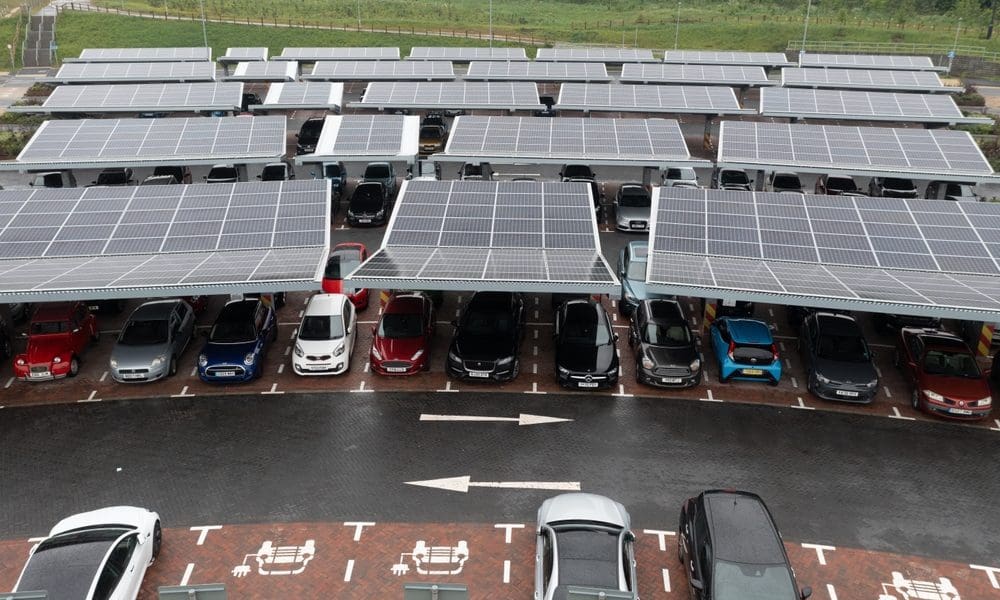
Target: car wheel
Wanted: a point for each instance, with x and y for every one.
(74, 367)
(173, 366)
(915, 400)
(157, 541)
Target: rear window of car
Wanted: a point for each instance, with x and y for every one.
(311, 129)
(840, 183)
(377, 172)
(753, 352)
(733, 177)
(273, 173)
(52, 180)
(341, 263)
(332, 170)
(430, 132)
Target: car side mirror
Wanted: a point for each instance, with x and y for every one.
(696, 583)
(806, 592)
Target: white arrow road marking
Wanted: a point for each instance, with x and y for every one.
(463, 483)
(522, 419)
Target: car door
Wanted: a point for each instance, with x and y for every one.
(912, 357)
(80, 328)
(428, 322)
(636, 324)
(185, 330)
(721, 339)
(808, 341)
(350, 327)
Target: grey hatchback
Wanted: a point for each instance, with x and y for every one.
(151, 340)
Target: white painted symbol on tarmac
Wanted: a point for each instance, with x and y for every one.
(278, 560)
(358, 527)
(434, 560)
(508, 528)
(661, 535)
(463, 483)
(911, 589)
(521, 419)
(991, 572)
(820, 550)
(204, 529)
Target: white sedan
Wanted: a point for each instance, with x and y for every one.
(97, 555)
(325, 339)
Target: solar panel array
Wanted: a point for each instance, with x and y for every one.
(269, 70)
(451, 94)
(389, 70)
(935, 153)
(871, 106)
(868, 61)
(708, 57)
(316, 54)
(696, 74)
(366, 136)
(642, 98)
(536, 71)
(919, 252)
(96, 55)
(567, 139)
(605, 55)
(465, 54)
(145, 238)
(913, 81)
(491, 235)
(135, 72)
(144, 97)
(236, 55)
(93, 143)
(303, 95)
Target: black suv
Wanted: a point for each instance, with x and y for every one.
(368, 205)
(666, 353)
(586, 356)
(838, 361)
(308, 135)
(487, 337)
(731, 548)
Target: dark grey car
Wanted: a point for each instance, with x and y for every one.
(837, 359)
(151, 341)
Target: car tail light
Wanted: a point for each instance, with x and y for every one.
(732, 346)
(774, 352)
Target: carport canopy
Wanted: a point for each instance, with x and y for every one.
(929, 154)
(172, 54)
(560, 140)
(677, 99)
(265, 71)
(470, 95)
(157, 241)
(366, 138)
(135, 72)
(105, 143)
(243, 54)
(713, 57)
(142, 97)
(851, 105)
(490, 235)
(303, 95)
(889, 255)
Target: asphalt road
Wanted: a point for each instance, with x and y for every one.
(913, 488)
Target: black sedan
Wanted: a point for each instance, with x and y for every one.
(586, 356)
(666, 353)
(838, 361)
(487, 338)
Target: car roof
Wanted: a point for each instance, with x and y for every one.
(58, 310)
(837, 324)
(581, 506)
(581, 307)
(157, 309)
(404, 304)
(749, 331)
(939, 338)
(325, 304)
(741, 528)
(67, 570)
(587, 558)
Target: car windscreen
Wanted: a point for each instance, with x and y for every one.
(321, 327)
(332, 171)
(787, 181)
(310, 130)
(52, 180)
(842, 348)
(45, 327)
(177, 172)
(634, 197)
(580, 171)
(488, 323)
(366, 199)
(636, 271)
(753, 352)
(661, 334)
(113, 178)
(894, 183)
(232, 331)
(430, 132)
(738, 581)
(377, 172)
(958, 189)
(144, 333)
(585, 326)
(733, 178)
(222, 173)
(841, 184)
(395, 326)
(273, 173)
(953, 364)
(341, 263)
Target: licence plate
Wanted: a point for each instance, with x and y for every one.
(39, 374)
(752, 372)
(959, 411)
(225, 373)
(729, 302)
(847, 393)
(587, 384)
(132, 376)
(396, 369)
(672, 380)
(480, 374)
(364, 220)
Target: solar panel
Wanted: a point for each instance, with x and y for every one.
(708, 57)
(714, 100)
(317, 54)
(458, 54)
(536, 71)
(99, 55)
(605, 55)
(515, 95)
(696, 74)
(389, 70)
(902, 81)
(238, 55)
(869, 61)
(366, 138)
(141, 97)
(317, 95)
(135, 72)
(916, 253)
(565, 140)
(922, 153)
(271, 70)
(99, 143)
(489, 235)
(863, 106)
(145, 241)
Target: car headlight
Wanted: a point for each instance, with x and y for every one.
(505, 361)
(113, 363)
(821, 379)
(377, 354)
(872, 384)
(454, 357)
(417, 354)
(380, 214)
(21, 362)
(159, 360)
(298, 351)
(563, 371)
(339, 350)
(695, 364)
(934, 396)
(249, 358)
(984, 401)
(57, 360)
(202, 360)
(647, 363)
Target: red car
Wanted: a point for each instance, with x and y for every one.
(344, 258)
(57, 335)
(401, 341)
(944, 374)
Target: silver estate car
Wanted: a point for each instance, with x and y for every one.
(583, 541)
(151, 341)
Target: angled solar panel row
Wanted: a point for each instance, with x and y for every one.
(867, 106)
(695, 74)
(711, 57)
(269, 70)
(869, 61)
(366, 137)
(536, 71)
(458, 54)
(461, 94)
(673, 99)
(344, 53)
(604, 55)
(99, 55)
(388, 70)
(902, 81)
(138, 72)
(168, 97)
(303, 96)
(238, 55)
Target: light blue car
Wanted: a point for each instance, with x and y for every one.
(745, 350)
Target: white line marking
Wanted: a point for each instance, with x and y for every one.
(614, 316)
(536, 300)
(35, 540)
(194, 371)
(288, 350)
(204, 529)
(788, 364)
(831, 591)
(184, 393)
(614, 304)
(361, 388)
(462, 484)
(770, 312)
(534, 389)
(661, 535)
(447, 387)
(367, 366)
(294, 331)
(91, 397)
(459, 299)
(187, 574)
(104, 376)
(802, 404)
(888, 394)
(997, 428)
(878, 372)
(690, 306)
(536, 334)
(991, 572)
(782, 346)
(301, 312)
(359, 527)
(273, 390)
(534, 350)
(710, 397)
(795, 383)
(534, 368)
(457, 312)
(508, 529)
(349, 570)
(621, 392)
(9, 381)
(895, 415)
(694, 321)
(506, 571)
(820, 549)
(281, 368)
(536, 313)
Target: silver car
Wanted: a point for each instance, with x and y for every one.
(583, 541)
(632, 207)
(151, 340)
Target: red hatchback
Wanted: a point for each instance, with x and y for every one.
(401, 341)
(943, 373)
(344, 258)
(57, 335)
